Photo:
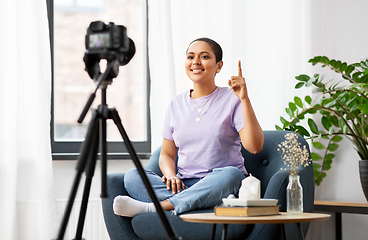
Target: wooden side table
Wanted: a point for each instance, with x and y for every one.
(338, 208)
(282, 218)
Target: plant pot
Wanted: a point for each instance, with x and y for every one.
(363, 172)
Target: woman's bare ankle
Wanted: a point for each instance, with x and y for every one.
(167, 205)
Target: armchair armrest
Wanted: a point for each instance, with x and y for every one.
(276, 188)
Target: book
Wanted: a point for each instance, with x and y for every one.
(223, 210)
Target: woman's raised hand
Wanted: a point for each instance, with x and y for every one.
(237, 84)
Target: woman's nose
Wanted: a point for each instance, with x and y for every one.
(196, 61)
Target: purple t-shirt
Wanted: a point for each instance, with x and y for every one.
(214, 141)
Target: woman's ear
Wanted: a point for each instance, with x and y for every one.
(219, 66)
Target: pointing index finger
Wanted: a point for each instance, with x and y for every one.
(239, 69)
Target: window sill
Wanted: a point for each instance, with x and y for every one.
(111, 156)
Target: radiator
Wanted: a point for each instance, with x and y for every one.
(94, 226)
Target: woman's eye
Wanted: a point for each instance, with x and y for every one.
(205, 57)
(190, 57)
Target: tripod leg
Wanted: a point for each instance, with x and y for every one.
(82, 160)
(169, 231)
(90, 169)
(103, 143)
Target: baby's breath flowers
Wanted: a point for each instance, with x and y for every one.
(295, 157)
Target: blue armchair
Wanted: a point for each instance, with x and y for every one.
(266, 166)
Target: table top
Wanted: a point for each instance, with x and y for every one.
(340, 203)
(341, 207)
(280, 218)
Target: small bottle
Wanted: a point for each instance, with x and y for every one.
(294, 195)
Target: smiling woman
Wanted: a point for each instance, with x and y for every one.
(205, 134)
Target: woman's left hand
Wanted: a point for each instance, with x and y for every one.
(237, 84)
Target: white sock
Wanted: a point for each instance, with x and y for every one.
(129, 207)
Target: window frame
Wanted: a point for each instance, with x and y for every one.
(69, 150)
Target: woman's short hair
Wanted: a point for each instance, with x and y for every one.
(216, 48)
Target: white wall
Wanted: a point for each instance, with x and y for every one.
(275, 40)
(338, 31)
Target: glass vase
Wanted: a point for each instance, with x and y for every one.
(294, 195)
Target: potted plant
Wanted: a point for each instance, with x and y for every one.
(341, 107)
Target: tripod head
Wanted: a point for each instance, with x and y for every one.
(110, 42)
(103, 80)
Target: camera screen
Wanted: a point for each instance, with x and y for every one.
(99, 40)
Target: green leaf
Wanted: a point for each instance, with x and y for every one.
(319, 177)
(336, 138)
(349, 69)
(314, 61)
(333, 147)
(364, 79)
(299, 85)
(316, 166)
(292, 106)
(326, 165)
(315, 156)
(278, 128)
(356, 75)
(356, 85)
(343, 67)
(330, 104)
(289, 112)
(308, 99)
(363, 65)
(302, 131)
(302, 77)
(313, 126)
(310, 82)
(298, 101)
(363, 108)
(334, 120)
(329, 156)
(345, 129)
(326, 123)
(322, 134)
(325, 60)
(318, 90)
(311, 111)
(284, 122)
(318, 145)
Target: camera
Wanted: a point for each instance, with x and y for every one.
(106, 41)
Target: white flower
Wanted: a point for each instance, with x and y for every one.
(295, 157)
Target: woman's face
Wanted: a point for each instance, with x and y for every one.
(200, 63)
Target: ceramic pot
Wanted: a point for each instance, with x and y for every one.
(363, 172)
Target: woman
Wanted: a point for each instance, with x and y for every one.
(204, 126)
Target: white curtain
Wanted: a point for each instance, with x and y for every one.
(27, 203)
(272, 38)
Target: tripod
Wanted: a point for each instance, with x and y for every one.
(96, 135)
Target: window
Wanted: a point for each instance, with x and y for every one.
(128, 93)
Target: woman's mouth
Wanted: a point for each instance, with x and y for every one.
(197, 70)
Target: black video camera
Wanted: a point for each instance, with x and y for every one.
(106, 41)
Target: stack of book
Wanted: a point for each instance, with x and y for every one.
(225, 210)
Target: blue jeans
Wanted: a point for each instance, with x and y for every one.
(199, 193)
